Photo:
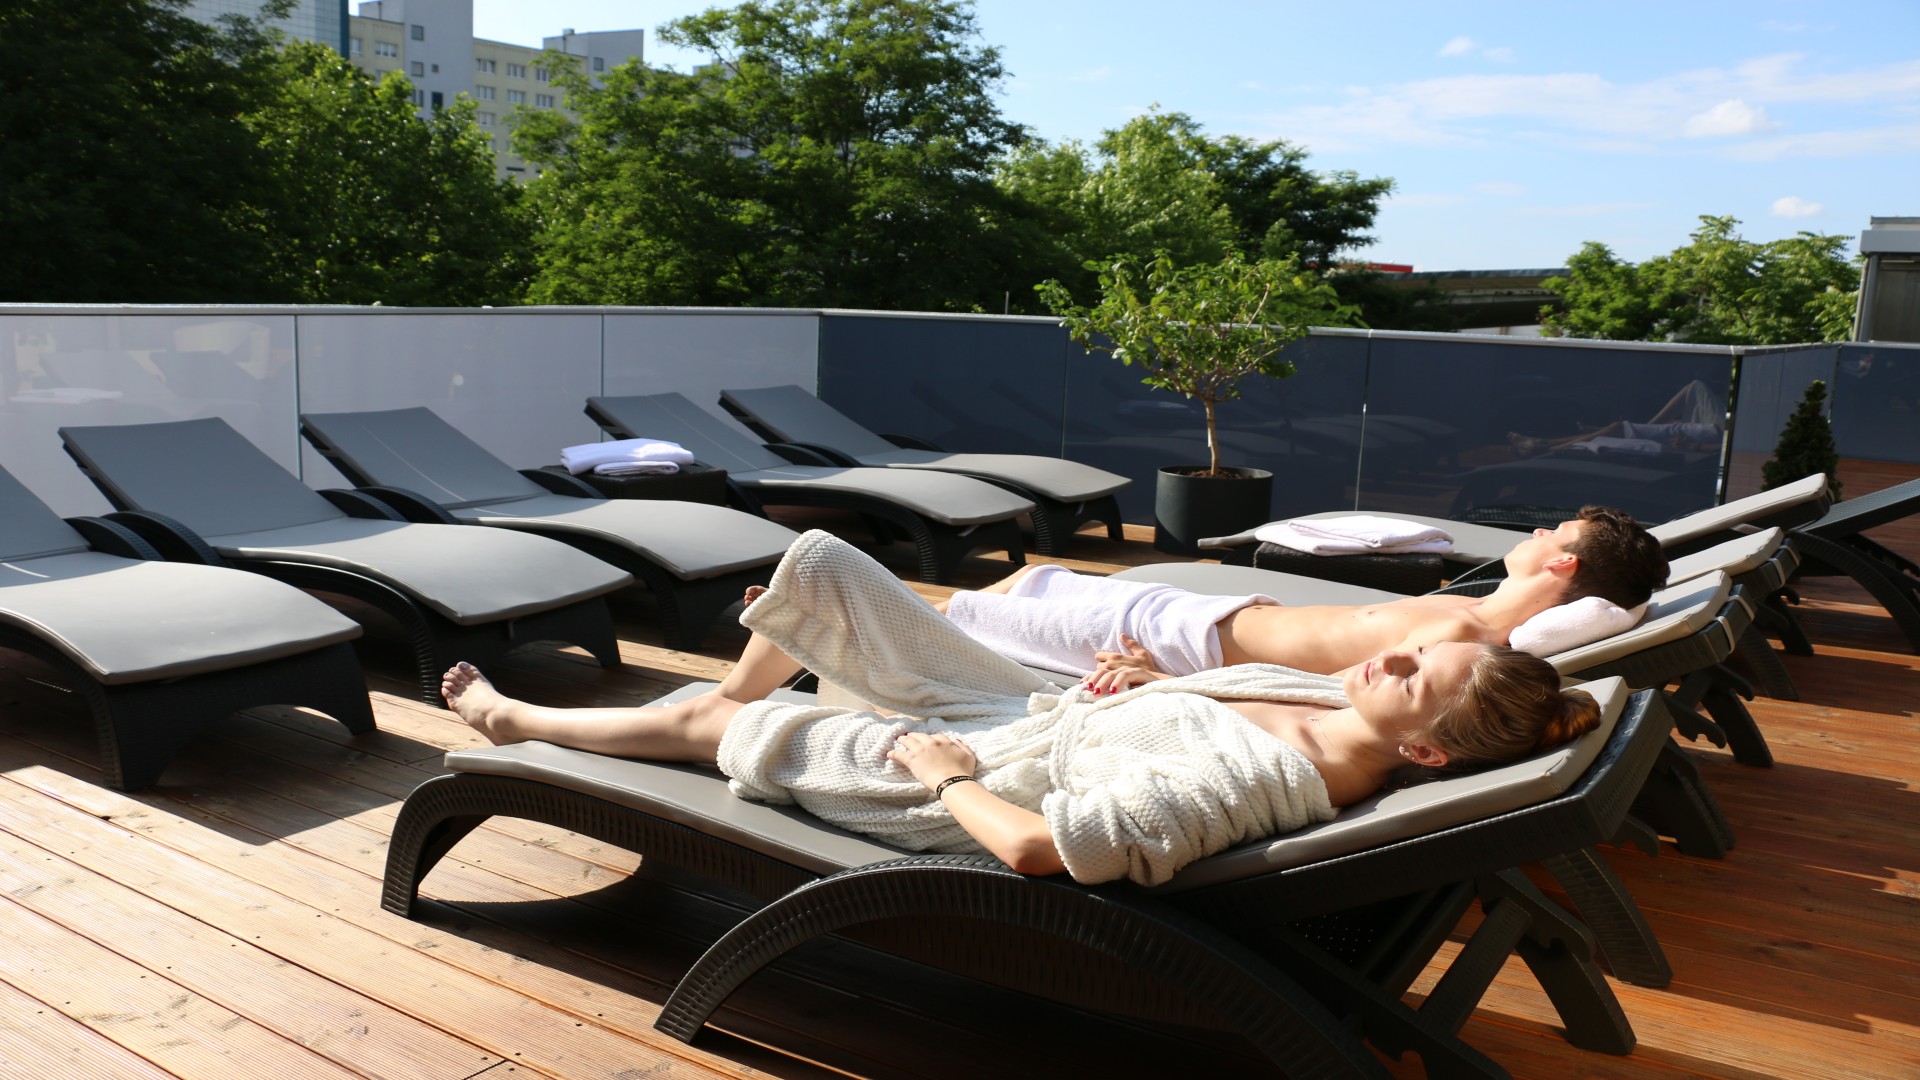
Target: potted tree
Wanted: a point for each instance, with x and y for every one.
(1198, 331)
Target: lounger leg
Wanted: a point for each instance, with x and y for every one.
(1676, 802)
(1779, 619)
(1560, 953)
(1626, 941)
(1891, 590)
(1760, 659)
(1282, 1020)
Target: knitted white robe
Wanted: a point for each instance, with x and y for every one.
(1133, 785)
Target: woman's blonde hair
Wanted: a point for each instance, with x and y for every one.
(1510, 706)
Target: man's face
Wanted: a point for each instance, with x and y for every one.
(1544, 546)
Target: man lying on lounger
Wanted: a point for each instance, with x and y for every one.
(1048, 617)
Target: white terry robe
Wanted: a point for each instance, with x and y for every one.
(1133, 785)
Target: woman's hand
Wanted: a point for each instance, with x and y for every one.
(933, 757)
(1116, 671)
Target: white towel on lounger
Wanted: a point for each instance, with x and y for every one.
(626, 456)
(1356, 534)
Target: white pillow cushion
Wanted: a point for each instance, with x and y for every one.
(1570, 626)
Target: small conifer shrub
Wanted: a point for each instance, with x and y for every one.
(1806, 444)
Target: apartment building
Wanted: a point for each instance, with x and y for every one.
(431, 42)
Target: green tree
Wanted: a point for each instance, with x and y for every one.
(369, 204)
(836, 153)
(1159, 183)
(127, 172)
(1719, 289)
(1806, 445)
(1199, 330)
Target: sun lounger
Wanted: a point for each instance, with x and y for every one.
(696, 558)
(1836, 543)
(195, 488)
(1297, 942)
(156, 649)
(945, 515)
(1065, 494)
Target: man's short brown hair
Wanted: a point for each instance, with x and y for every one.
(1619, 560)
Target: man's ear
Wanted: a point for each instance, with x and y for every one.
(1563, 565)
(1424, 754)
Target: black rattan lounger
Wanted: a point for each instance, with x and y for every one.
(197, 487)
(156, 649)
(945, 515)
(1296, 943)
(1836, 544)
(1065, 494)
(697, 559)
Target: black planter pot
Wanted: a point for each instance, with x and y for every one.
(1188, 507)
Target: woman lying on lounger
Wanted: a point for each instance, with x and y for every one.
(967, 751)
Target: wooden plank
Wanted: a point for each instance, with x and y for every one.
(39, 1040)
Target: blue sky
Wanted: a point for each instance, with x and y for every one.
(1514, 132)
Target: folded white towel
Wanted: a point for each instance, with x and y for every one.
(1356, 534)
(636, 468)
(1570, 626)
(589, 456)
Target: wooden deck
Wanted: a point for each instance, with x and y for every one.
(226, 923)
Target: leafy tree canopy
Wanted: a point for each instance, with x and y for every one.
(1159, 183)
(1719, 289)
(1198, 330)
(837, 153)
(369, 204)
(123, 159)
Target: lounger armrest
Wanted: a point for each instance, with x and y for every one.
(802, 454)
(908, 442)
(561, 483)
(112, 538)
(172, 539)
(398, 503)
(361, 504)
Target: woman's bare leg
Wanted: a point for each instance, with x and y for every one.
(684, 731)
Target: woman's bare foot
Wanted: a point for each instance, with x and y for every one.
(754, 592)
(470, 695)
(1525, 446)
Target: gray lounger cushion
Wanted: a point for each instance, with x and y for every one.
(793, 415)
(246, 506)
(1688, 527)
(944, 497)
(699, 799)
(1216, 579)
(1673, 613)
(1731, 557)
(417, 450)
(127, 621)
(691, 540)
(471, 576)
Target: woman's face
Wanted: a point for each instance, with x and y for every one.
(1400, 690)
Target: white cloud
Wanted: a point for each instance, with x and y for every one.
(1503, 188)
(1795, 206)
(1731, 117)
(1466, 46)
(1091, 74)
(1459, 46)
(1864, 142)
(1499, 54)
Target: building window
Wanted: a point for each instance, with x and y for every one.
(438, 101)
(418, 69)
(418, 32)
(484, 119)
(419, 97)
(516, 97)
(545, 101)
(386, 48)
(355, 46)
(540, 74)
(485, 92)
(483, 65)
(516, 71)
(599, 63)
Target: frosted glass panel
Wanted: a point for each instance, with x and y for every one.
(76, 370)
(701, 354)
(514, 382)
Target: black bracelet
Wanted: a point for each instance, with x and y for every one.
(941, 788)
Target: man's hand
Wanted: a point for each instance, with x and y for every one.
(1116, 671)
(932, 758)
